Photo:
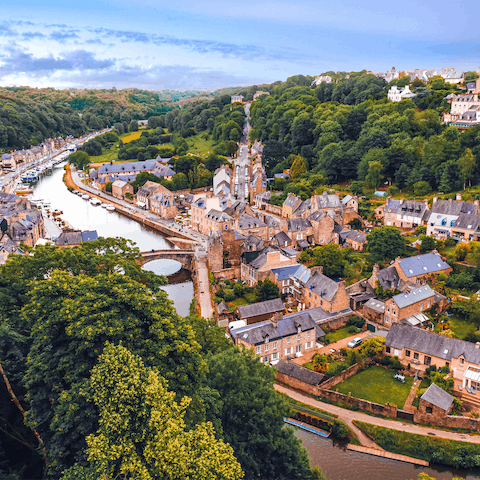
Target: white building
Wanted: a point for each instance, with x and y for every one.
(397, 94)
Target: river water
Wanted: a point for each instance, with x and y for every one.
(84, 216)
(335, 461)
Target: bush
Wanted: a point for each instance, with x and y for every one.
(229, 295)
(340, 430)
(356, 321)
(217, 300)
(395, 364)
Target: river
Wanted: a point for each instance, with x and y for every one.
(84, 216)
(335, 461)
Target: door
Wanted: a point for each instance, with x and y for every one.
(370, 327)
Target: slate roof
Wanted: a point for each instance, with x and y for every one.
(422, 264)
(262, 256)
(248, 221)
(8, 198)
(346, 199)
(280, 239)
(253, 241)
(69, 238)
(127, 167)
(282, 273)
(376, 305)
(445, 207)
(281, 175)
(264, 196)
(292, 201)
(303, 207)
(325, 201)
(89, 236)
(238, 235)
(271, 221)
(322, 285)
(218, 216)
(438, 397)
(222, 307)
(412, 208)
(257, 333)
(147, 189)
(467, 222)
(119, 184)
(299, 373)
(356, 236)
(298, 224)
(392, 205)
(261, 308)
(416, 295)
(430, 343)
(388, 278)
(161, 170)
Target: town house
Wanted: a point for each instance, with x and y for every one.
(144, 193)
(301, 232)
(120, 188)
(279, 338)
(259, 311)
(162, 203)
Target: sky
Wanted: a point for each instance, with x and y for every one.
(210, 44)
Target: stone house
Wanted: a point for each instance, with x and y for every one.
(435, 403)
(127, 168)
(120, 188)
(301, 232)
(8, 162)
(285, 277)
(355, 240)
(163, 204)
(291, 203)
(249, 225)
(322, 291)
(257, 265)
(144, 193)
(222, 180)
(323, 224)
(260, 311)
(258, 180)
(403, 214)
(421, 269)
(8, 247)
(422, 348)
(397, 94)
(279, 338)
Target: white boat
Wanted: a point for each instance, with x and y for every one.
(85, 196)
(103, 205)
(110, 208)
(95, 202)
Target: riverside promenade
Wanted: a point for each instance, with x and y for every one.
(199, 241)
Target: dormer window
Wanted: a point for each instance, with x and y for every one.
(299, 329)
(267, 339)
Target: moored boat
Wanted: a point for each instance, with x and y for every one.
(110, 208)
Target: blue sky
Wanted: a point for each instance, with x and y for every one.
(194, 44)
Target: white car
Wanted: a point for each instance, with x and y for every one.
(355, 342)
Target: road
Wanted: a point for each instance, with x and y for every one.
(242, 174)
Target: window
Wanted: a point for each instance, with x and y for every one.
(427, 360)
(308, 334)
(428, 304)
(266, 358)
(266, 348)
(308, 345)
(387, 349)
(257, 350)
(299, 349)
(288, 351)
(387, 320)
(462, 361)
(429, 410)
(415, 356)
(421, 307)
(285, 283)
(447, 364)
(274, 356)
(288, 340)
(274, 344)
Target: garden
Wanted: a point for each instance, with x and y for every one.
(376, 384)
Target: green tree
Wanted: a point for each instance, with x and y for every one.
(231, 147)
(422, 188)
(142, 432)
(266, 290)
(331, 258)
(386, 242)
(133, 126)
(74, 316)
(298, 167)
(374, 175)
(79, 158)
(428, 244)
(467, 164)
(252, 418)
(108, 187)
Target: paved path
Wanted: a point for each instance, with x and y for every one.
(408, 407)
(203, 284)
(349, 415)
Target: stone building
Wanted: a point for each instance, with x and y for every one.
(120, 188)
(435, 403)
(260, 311)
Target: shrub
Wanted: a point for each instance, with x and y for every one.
(395, 364)
(340, 430)
(217, 300)
(356, 321)
(229, 295)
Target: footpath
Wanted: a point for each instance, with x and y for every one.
(348, 416)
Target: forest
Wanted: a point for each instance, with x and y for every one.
(102, 379)
(349, 131)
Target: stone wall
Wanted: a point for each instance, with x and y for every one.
(297, 384)
(349, 372)
(447, 421)
(228, 273)
(336, 321)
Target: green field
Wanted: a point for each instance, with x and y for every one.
(377, 385)
(460, 327)
(199, 145)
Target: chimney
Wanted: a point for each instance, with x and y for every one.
(376, 269)
(314, 270)
(277, 316)
(459, 197)
(450, 200)
(477, 345)
(477, 207)
(435, 198)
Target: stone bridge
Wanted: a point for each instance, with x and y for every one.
(185, 257)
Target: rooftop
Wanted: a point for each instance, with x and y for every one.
(261, 308)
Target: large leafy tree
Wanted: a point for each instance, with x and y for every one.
(331, 258)
(142, 432)
(266, 290)
(73, 318)
(386, 242)
(252, 418)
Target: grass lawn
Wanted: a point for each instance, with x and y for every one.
(460, 327)
(377, 385)
(343, 332)
(238, 302)
(128, 137)
(199, 145)
(107, 155)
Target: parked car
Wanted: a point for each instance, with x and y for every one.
(355, 342)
